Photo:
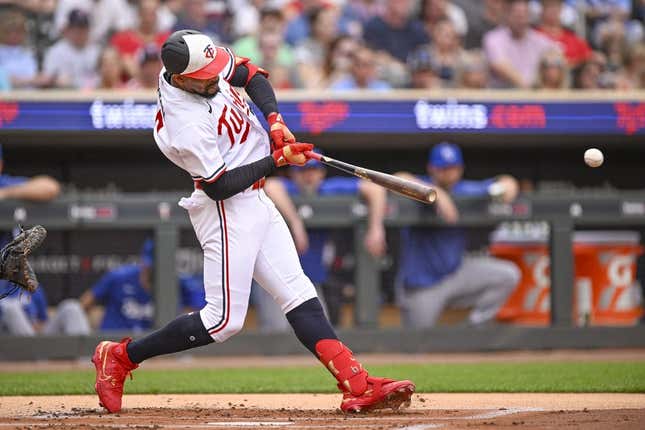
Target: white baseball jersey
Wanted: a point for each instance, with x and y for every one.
(243, 237)
(206, 136)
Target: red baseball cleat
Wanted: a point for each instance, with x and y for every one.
(361, 392)
(381, 393)
(112, 367)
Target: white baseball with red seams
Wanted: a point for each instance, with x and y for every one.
(594, 157)
(243, 237)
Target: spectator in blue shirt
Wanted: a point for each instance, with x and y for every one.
(26, 315)
(312, 245)
(39, 188)
(125, 293)
(16, 57)
(299, 26)
(356, 14)
(195, 15)
(362, 73)
(5, 83)
(395, 33)
(433, 272)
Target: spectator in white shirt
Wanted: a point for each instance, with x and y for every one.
(72, 61)
(109, 16)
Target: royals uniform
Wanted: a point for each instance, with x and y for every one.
(10, 181)
(433, 271)
(429, 255)
(243, 237)
(129, 306)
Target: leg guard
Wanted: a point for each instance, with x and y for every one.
(340, 361)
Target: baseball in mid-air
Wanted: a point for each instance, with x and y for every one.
(594, 157)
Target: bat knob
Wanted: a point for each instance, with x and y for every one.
(313, 155)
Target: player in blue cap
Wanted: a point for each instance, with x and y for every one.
(433, 271)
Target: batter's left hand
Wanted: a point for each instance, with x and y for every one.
(279, 132)
(375, 241)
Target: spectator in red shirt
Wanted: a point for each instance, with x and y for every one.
(575, 49)
(129, 43)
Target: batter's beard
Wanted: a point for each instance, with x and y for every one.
(209, 95)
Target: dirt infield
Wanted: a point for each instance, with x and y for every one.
(306, 411)
(320, 411)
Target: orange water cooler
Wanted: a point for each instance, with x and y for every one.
(606, 291)
(525, 244)
(606, 277)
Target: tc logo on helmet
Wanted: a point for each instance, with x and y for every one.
(209, 52)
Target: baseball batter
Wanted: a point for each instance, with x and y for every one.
(205, 127)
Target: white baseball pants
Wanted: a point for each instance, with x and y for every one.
(244, 238)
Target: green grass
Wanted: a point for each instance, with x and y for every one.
(616, 377)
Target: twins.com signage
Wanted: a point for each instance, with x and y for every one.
(365, 116)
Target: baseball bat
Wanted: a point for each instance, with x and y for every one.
(414, 190)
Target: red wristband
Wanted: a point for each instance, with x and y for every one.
(275, 118)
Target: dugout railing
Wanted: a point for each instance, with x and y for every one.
(160, 214)
(54, 131)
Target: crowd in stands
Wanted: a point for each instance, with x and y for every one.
(333, 44)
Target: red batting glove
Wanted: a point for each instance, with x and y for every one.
(279, 132)
(293, 153)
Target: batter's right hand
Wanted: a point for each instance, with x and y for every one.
(293, 153)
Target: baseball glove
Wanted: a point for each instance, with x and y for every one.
(14, 266)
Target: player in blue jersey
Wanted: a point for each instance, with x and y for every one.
(38, 188)
(125, 292)
(433, 271)
(313, 244)
(18, 315)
